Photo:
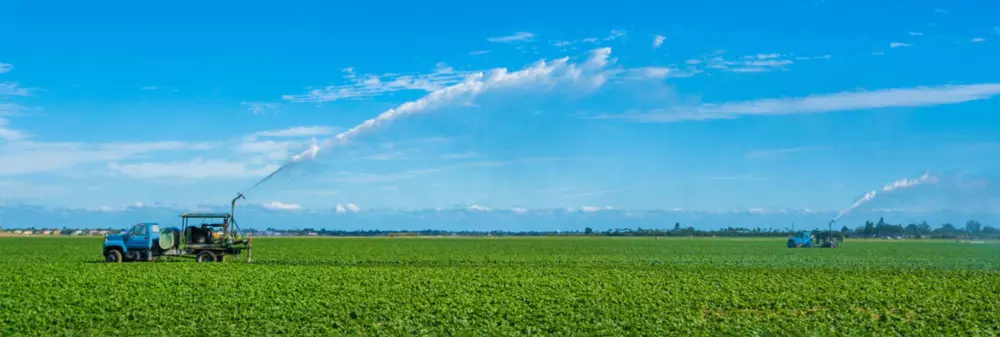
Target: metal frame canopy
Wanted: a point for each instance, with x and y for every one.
(189, 215)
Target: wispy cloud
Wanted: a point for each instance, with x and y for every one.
(258, 107)
(479, 52)
(658, 41)
(754, 63)
(24, 157)
(20, 189)
(649, 72)
(298, 131)
(516, 37)
(462, 155)
(899, 45)
(367, 177)
(6, 133)
(563, 43)
(149, 87)
(940, 11)
(842, 101)
(197, 168)
(771, 153)
(280, 206)
(977, 40)
(371, 85)
(6, 67)
(13, 89)
(616, 34)
(916, 33)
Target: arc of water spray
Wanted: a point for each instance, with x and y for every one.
(898, 184)
(591, 72)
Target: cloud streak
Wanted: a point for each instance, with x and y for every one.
(824, 103)
(658, 41)
(371, 85)
(6, 67)
(516, 37)
(13, 89)
(771, 153)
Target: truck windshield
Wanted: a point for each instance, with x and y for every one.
(139, 229)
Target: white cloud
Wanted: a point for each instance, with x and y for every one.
(650, 72)
(6, 67)
(477, 208)
(479, 52)
(977, 40)
(899, 45)
(371, 85)
(385, 156)
(616, 34)
(517, 37)
(9, 134)
(23, 157)
(149, 87)
(842, 101)
(258, 107)
(369, 177)
(21, 189)
(298, 131)
(658, 41)
(591, 209)
(754, 63)
(519, 210)
(13, 89)
(916, 33)
(462, 155)
(757, 154)
(197, 168)
(348, 208)
(277, 205)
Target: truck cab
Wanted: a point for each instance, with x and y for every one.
(136, 243)
(800, 240)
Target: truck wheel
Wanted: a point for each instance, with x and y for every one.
(113, 256)
(205, 256)
(220, 257)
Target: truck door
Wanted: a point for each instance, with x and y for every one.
(138, 237)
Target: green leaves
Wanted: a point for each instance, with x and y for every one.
(506, 286)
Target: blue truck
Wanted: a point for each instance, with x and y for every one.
(212, 240)
(805, 239)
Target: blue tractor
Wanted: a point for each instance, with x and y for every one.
(218, 235)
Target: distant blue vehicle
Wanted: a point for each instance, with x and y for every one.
(800, 240)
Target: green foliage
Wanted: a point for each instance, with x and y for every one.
(569, 286)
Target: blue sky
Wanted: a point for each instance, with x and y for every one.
(695, 106)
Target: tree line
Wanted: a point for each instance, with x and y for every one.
(879, 229)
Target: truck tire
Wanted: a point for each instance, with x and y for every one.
(113, 256)
(220, 257)
(205, 256)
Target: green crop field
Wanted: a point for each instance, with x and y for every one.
(507, 286)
